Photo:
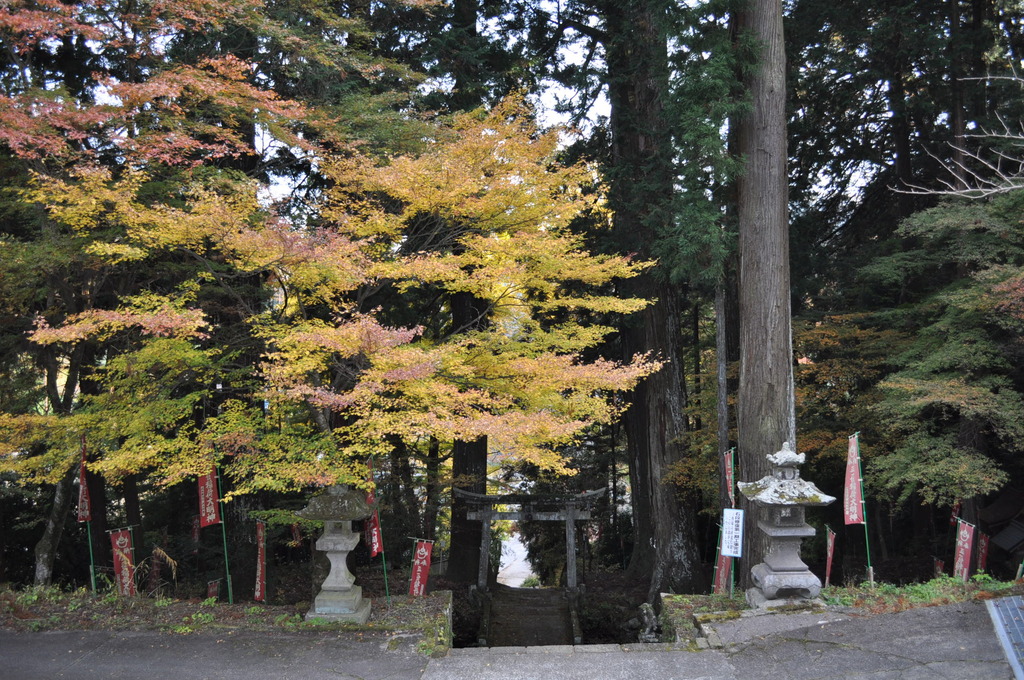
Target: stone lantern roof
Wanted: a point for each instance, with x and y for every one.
(784, 486)
(340, 503)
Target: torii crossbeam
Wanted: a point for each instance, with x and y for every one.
(532, 507)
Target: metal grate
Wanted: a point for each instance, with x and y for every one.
(1008, 619)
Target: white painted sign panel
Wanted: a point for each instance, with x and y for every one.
(732, 532)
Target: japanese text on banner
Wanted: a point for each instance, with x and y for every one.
(124, 561)
(209, 508)
(964, 543)
(420, 567)
(853, 506)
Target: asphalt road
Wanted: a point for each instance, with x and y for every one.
(956, 642)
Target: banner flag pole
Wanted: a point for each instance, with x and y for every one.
(855, 509)
(85, 515)
(224, 535)
(377, 536)
(92, 559)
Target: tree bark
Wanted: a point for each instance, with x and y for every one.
(641, 172)
(431, 501)
(46, 548)
(469, 468)
(766, 410)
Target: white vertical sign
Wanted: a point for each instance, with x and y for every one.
(732, 532)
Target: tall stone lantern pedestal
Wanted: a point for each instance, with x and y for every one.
(783, 577)
(339, 598)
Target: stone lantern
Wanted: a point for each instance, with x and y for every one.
(783, 576)
(339, 599)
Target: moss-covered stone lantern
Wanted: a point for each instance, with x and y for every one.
(783, 577)
(339, 599)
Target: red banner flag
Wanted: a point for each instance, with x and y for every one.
(124, 561)
(954, 513)
(420, 567)
(723, 571)
(374, 538)
(940, 567)
(209, 507)
(964, 543)
(730, 478)
(853, 505)
(213, 589)
(84, 503)
(261, 562)
(982, 551)
(830, 550)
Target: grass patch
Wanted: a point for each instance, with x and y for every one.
(681, 613)
(885, 597)
(50, 608)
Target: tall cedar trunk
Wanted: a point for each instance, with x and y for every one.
(432, 493)
(895, 65)
(469, 468)
(957, 105)
(469, 458)
(722, 400)
(665, 547)
(765, 415)
(98, 498)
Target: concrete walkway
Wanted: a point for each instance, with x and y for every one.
(956, 642)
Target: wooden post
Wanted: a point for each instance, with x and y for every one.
(570, 545)
(485, 547)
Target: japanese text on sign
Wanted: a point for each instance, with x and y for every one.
(732, 532)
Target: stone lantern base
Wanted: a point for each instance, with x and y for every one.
(335, 605)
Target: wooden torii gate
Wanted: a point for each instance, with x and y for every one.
(566, 509)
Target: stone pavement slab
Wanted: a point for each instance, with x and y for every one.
(754, 624)
(99, 655)
(954, 641)
(578, 665)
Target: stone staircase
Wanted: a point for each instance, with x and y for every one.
(527, 617)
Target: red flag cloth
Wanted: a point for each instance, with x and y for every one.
(209, 508)
(213, 588)
(982, 551)
(84, 503)
(420, 567)
(124, 561)
(954, 513)
(940, 567)
(723, 570)
(730, 478)
(373, 536)
(830, 550)
(374, 539)
(261, 562)
(964, 543)
(853, 505)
